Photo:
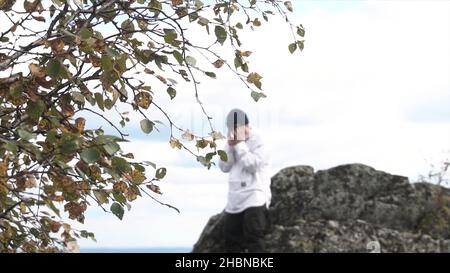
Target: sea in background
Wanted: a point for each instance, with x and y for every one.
(136, 250)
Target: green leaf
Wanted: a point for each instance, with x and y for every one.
(160, 173)
(301, 44)
(25, 135)
(90, 155)
(101, 195)
(198, 4)
(193, 16)
(85, 33)
(202, 160)
(258, 84)
(169, 35)
(257, 95)
(292, 47)
(172, 92)
(34, 232)
(69, 144)
(112, 52)
(119, 197)
(237, 61)
(117, 210)
(53, 68)
(111, 148)
(99, 100)
(139, 167)
(244, 67)
(221, 34)
(146, 126)
(106, 62)
(288, 5)
(191, 61)
(35, 109)
(108, 104)
(104, 139)
(172, 81)
(211, 74)
(155, 6)
(209, 156)
(253, 78)
(178, 56)
(11, 146)
(127, 26)
(223, 155)
(150, 163)
(300, 31)
(120, 165)
(201, 143)
(256, 22)
(203, 21)
(78, 97)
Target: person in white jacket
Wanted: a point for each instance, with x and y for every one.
(246, 215)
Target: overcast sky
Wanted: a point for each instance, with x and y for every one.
(372, 86)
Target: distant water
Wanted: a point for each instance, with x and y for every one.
(136, 250)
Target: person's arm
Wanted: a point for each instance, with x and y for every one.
(225, 166)
(251, 160)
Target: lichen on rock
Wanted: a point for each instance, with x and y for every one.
(348, 208)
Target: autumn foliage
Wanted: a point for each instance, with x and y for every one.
(60, 60)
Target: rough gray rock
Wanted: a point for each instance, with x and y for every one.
(348, 208)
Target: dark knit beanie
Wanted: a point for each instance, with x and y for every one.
(236, 118)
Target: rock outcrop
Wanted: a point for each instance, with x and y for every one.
(348, 208)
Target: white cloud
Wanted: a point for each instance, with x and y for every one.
(400, 148)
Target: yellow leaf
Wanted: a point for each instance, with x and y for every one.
(137, 177)
(143, 99)
(55, 226)
(154, 188)
(245, 53)
(80, 123)
(187, 136)
(175, 143)
(66, 227)
(218, 63)
(31, 181)
(67, 110)
(120, 186)
(37, 71)
(57, 45)
(131, 194)
(3, 172)
(23, 207)
(177, 2)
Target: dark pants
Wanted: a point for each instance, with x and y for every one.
(245, 231)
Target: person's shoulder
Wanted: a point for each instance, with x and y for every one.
(257, 141)
(256, 138)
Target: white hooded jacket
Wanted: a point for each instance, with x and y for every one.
(249, 180)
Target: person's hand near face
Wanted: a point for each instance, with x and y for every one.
(241, 133)
(231, 140)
